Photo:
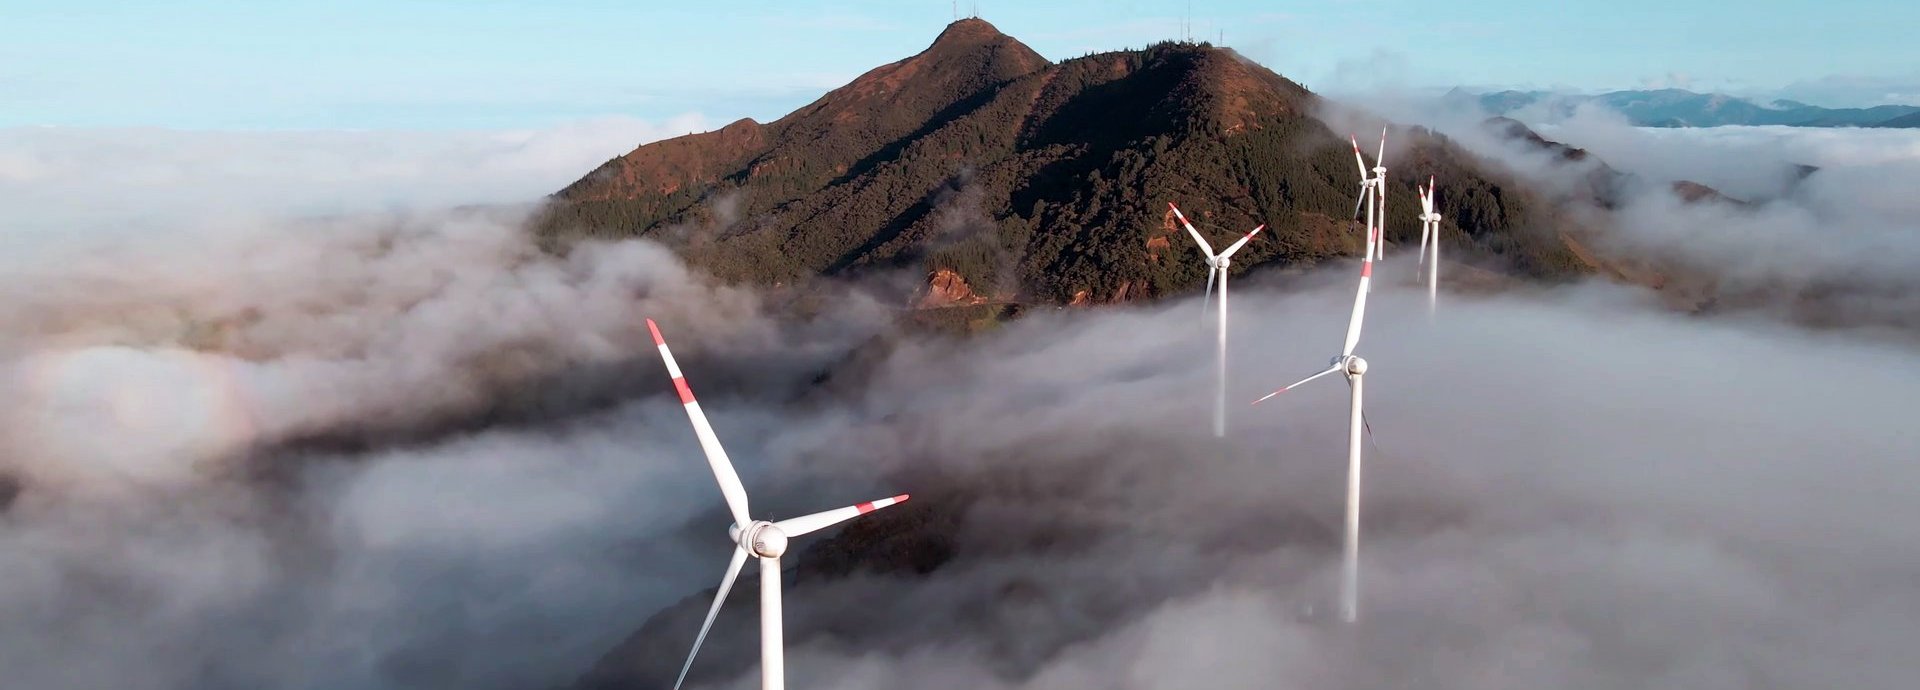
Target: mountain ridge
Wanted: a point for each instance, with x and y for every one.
(1679, 108)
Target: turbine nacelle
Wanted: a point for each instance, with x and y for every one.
(770, 542)
(763, 539)
(1351, 365)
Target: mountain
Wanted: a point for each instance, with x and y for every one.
(1003, 177)
(1680, 108)
(1908, 120)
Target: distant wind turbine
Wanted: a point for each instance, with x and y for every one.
(1430, 234)
(1373, 192)
(1355, 370)
(1217, 266)
(759, 538)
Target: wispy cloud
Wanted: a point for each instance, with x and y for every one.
(55, 176)
(1854, 90)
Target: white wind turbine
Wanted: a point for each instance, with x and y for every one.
(1217, 266)
(759, 538)
(1355, 369)
(1430, 233)
(1379, 226)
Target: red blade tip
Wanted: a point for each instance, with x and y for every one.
(657, 340)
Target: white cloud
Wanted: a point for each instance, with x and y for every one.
(57, 179)
(261, 451)
(1842, 91)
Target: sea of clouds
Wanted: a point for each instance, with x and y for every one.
(280, 416)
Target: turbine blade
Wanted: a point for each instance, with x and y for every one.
(1420, 261)
(1366, 425)
(1357, 203)
(1359, 316)
(1207, 302)
(1204, 247)
(1356, 156)
(1242, 242)
(1296, 384)
(730, 487)
(1426, 202)
(1425, 231)
(1380, 159)
(827, 518)
(720, 597)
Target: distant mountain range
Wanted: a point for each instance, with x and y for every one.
(1682, 108)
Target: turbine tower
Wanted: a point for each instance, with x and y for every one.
(759, 538)
(1217, 266)
(1430, 233)
(1355, 370)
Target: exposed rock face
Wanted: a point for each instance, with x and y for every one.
(945, 289)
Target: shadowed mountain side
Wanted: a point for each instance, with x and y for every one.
(1908, 120)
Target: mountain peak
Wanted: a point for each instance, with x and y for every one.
(968, 31)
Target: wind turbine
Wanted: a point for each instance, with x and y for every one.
(1430, 232)
(759, 538)
(1380, 193)
(1355, 369)
(1217, 266)
(1372, 195)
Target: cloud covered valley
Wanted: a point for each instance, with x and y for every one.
(321, 429)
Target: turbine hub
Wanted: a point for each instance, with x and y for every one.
(1222, 262)
(767, 540)
(1356, 366)
(761, 539)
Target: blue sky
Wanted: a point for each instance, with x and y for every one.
(455, 64)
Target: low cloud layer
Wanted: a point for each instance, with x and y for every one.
(1572, 488)
(138, 181)
(404, 450)
(371, 450)
(1831, 247)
